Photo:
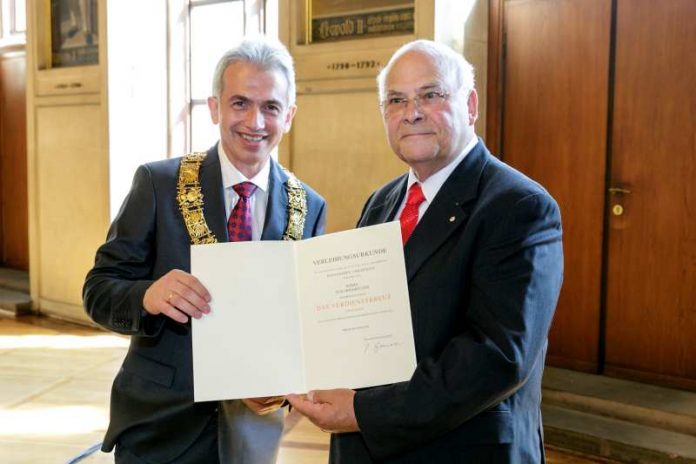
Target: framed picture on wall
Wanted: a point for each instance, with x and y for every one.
(336, 20)
(74, 33)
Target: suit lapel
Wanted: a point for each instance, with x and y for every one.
(277, 206)
(386, 211)
(448, 211)
(213, 195)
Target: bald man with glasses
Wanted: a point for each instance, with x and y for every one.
(484, 262)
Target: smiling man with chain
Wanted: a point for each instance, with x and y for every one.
(141, 285)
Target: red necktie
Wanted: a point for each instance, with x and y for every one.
(409, 216)
(239, 222)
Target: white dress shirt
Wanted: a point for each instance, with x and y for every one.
(433, 183)
(259, 199)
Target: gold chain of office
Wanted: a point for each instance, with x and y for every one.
(190, 198)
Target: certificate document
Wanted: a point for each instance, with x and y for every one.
(289, 317)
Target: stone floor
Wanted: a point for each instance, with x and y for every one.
(54, 390)
(14, 292)
(619, 419)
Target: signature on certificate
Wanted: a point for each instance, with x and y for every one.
(377, 347)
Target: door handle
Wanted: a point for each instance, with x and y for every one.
(618, 209)
(618, 190)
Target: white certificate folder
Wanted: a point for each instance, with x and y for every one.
(289, 317)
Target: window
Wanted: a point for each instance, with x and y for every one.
(13, 21)
(200, 32)
(214, 27)
(18, 16)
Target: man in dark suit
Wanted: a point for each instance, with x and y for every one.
(484, 264)
(140, 284)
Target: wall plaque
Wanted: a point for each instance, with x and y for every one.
(74, 33)
(336, 20)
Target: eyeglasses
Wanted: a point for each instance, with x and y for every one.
(424, 100)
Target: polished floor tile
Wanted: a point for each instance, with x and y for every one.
(55, 380)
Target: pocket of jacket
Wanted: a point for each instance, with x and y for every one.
(149, 369)
(489, 427)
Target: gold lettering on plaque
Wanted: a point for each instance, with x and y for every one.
(353, 25)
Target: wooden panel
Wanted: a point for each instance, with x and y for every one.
(345, 172)
(14, 235)
(554, 130)
(2, 215)
(476, 52)
(651, 295)
(72, 200)
(68, 81)
(2, 177)
(334, 7)
(494, 82)
(351, 64)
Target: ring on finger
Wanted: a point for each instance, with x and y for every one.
(169, 298)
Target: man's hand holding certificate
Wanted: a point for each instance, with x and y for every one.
(327, 312)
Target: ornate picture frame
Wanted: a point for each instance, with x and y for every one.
(338, 20)
(74, 33)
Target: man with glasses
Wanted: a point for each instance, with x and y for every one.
(484, 261)
(141, 286)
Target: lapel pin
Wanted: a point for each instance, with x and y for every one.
(452, 219)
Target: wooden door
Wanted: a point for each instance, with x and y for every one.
(554, 129)
(72, 201)
(14, 229)
(651, 273)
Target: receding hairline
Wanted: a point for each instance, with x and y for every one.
(450, 66)
(278, 70)
(263, 53)
(392, 64)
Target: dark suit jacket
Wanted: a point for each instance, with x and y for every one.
(152, 408)
(484, 267)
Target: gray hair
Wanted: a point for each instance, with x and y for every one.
(266, 54)
(451, 66)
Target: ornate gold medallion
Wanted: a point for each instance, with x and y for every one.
(190, 198)
(297, 208)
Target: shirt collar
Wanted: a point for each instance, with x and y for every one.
(433, 183)
(231, 175)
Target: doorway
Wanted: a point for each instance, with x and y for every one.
(14, 229)
(598, 106)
